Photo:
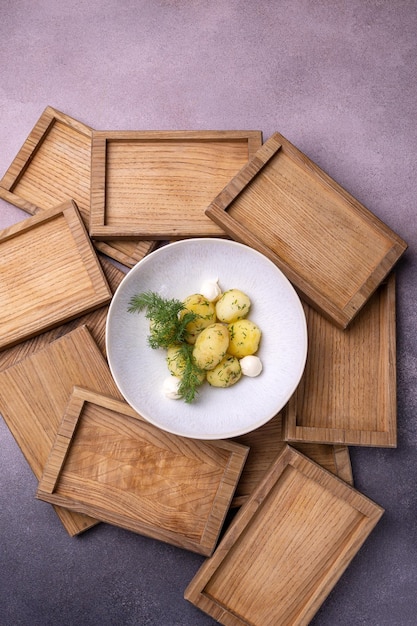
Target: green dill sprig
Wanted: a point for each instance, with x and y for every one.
(191, 377)
(167, 325)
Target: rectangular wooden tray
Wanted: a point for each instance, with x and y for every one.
(95, 320)
(347, 394)
(333, 249)
(286, 548)
(156, 184)
(267, 442)
(110, 463)
(35, 391)
(49, 273)
(54, 165)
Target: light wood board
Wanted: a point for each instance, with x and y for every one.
(110, 463)
(267, 442)
(157, 184)
(347, 394)
(54, 165)
(286, 548)
(333, 249)
(95, 320)
(35, 391)
(49, 273)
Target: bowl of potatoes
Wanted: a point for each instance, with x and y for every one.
(206, 338)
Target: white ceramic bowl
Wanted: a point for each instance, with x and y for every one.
(176, 271)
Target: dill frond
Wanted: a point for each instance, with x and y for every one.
(191, 377)
(166, 326)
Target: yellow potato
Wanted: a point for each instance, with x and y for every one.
(244, 338)
(211, 346)
(206, 311)
(233, 305)
(226, 373)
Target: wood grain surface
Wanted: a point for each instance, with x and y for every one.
(267, 442)
(157, 184)
(333, 249)
(95, 320)
(286, 548)
(347, 394)
(35, 391)
(49, 273)
(54, 165)
(110, 463)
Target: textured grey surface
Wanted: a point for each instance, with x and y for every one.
(338, 79)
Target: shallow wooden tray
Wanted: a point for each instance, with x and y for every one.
(110, 463)
(156, 184)
(267, 442)
(348, 390)
(95, 320)
(54, 165)
(333, 249)
(49, 273)
(35, 391)
(286, 548)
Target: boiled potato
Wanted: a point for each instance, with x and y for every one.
(233, 305)
(226, 373)
(176, 363)
(206, 311)
(244, 338)
(211, 346)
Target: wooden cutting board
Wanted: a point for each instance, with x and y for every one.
(267, 442)
(333, 249)
(35, 391)
(286, 548)
(347, 394)
(49, 273)
(54, 165)
(156, 184)
(110, 463)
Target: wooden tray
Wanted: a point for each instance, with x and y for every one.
(49, 273)
(35, 391)
(286, 548)
(267, 442)
(95, 320)
(110, 463)
(348, 390)
(331, 247)
(156, 184)
(54, 165)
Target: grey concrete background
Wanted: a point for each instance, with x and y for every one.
(339, 80)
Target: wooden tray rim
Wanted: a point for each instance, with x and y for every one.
(338, 452)
(217, 211)
(372, 512)
(99, 230)
(101, 293)
(82, 335)
(387, 438)
(56, 462)
(21, 162)
(27, 152)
